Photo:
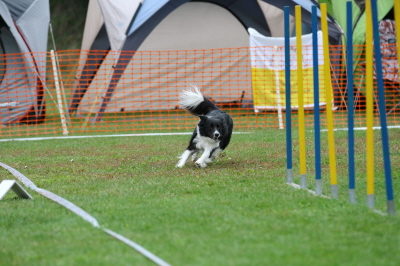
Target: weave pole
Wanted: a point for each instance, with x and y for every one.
(328, 95)
(300, 89)
(317, 126)
(350, 102)
(289, 166)
(382, 110)
(370, 108)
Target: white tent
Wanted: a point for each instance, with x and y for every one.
(107, 80)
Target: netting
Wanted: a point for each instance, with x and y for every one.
(133, 92)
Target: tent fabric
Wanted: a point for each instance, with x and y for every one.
(219, 26)
(94, 22)
(148, 9)
(274, 17)
(23, 36)
(147, 18)
(32, 18)
(118, 15)
(15, 100)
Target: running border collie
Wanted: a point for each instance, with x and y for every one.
(213, 131)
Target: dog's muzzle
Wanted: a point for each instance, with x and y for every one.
(216, 135)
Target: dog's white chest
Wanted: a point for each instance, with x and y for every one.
(205, 143)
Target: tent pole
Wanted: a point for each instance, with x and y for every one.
(60, 102)
(95, 102)
(64, 98)
(104, 88)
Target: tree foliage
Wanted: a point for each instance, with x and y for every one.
(68, 21)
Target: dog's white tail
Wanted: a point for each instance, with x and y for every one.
(191, 97)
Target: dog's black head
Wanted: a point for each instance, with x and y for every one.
(211, 127)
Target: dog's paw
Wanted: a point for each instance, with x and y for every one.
(201, 164)
(210, 160)
(179, 165)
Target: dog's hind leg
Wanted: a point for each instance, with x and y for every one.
(213, 155)
(184, 157)
(194, 156)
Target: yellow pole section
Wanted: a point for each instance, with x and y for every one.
(397, 20)
(328, 92)
(302, 134)
(370, 96)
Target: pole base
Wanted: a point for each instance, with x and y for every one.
(390, 207)
(289, 176)
(318, 187)
(334, 191)
(371, 201)
(303, 181)
(352, 195)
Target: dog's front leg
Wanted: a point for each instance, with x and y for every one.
(183, 158)
(201, 162)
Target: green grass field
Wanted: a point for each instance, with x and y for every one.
(237, 211)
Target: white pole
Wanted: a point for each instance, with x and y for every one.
(278, 92)
(57, 84)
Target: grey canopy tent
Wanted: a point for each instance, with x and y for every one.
(23, 35)
(129, 27)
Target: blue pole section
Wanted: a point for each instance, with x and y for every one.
(350, 101)
(382, 109)
(317, 126)
(289, 170)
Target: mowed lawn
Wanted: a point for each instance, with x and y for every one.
(237, 211)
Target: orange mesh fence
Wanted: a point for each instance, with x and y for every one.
(107, 92)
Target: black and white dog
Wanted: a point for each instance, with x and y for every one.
(213, 131)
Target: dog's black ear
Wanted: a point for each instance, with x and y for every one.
(203, 117)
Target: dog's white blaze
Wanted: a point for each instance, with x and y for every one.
(204, 143)
(191, 97)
